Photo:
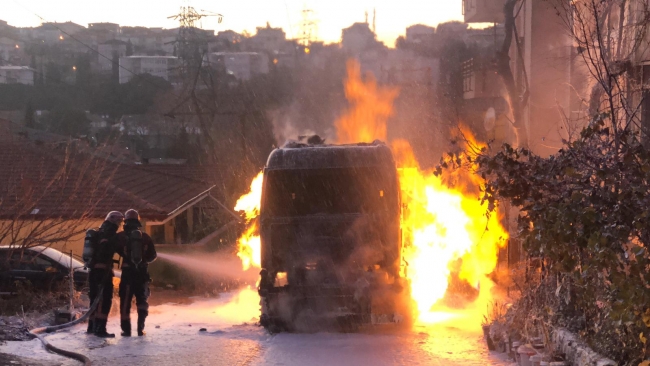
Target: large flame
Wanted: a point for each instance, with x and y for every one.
(443, 224)
(370, 108)
(444, 221)
(249, 244)
(251, 201)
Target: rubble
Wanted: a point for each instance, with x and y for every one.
(16, 327)
(12, 328)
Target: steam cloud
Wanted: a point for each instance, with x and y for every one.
(219, 265)
(289, 125)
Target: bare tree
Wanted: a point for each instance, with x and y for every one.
(50, 193)
(609, 36)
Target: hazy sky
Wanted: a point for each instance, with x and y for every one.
(393, 16)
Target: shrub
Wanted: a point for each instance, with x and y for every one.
(585, 219)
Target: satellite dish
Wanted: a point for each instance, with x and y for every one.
(490, 119)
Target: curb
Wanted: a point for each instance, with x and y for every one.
(576, 351)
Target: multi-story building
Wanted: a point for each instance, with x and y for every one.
(226, 41)
(541, 66)
(166, 67)
(16, 75)
(159, 41)
(268, 39)
(98, 33)
(483, 11)
(109, 53)
(55, 32)
(12, 52)
(229, 36)
(241, 65)
(405, 67)
(358, 38)
(419, 33)
(112, 28)
(149, 41)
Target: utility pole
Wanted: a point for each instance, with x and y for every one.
(190, 37)
(191, 47)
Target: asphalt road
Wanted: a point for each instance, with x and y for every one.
(231, 338)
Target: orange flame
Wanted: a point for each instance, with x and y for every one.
(249, 244)
(444, 221)
(371, 106)
(442, 224)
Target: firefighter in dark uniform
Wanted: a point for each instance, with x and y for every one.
(101, 272)
(137, 250)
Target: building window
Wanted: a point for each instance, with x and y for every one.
(468, 75)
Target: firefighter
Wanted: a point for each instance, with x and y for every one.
(100, 277)
(137, 250)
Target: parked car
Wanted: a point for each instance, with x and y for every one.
(42, 267)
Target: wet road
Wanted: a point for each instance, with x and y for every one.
(174, 339)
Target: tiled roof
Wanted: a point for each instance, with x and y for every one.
(210, 174)
(62, 181)
(162, 191)
(197, 173)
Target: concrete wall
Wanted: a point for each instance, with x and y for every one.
(16, 75)
(547, 59)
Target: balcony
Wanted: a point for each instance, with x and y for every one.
(480, 79)
(483, 11)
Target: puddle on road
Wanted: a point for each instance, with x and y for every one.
(231, 337)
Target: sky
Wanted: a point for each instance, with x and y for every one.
(393, 16)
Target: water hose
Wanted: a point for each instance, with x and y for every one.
(38, 333)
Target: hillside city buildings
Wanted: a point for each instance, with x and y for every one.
(111, 49)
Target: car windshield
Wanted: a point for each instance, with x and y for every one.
(39, 253)
(329, 191)
(62, 258)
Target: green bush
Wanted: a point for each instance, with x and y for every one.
(585, 220)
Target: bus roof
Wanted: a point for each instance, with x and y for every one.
(319, 156)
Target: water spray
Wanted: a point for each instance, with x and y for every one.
(217, 265)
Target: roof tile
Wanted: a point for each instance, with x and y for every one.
(42, 181)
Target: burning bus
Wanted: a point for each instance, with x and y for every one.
(330, 236)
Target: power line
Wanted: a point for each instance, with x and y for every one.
(188, 40)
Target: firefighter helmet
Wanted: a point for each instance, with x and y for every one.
(115, 217)
(132, 215)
